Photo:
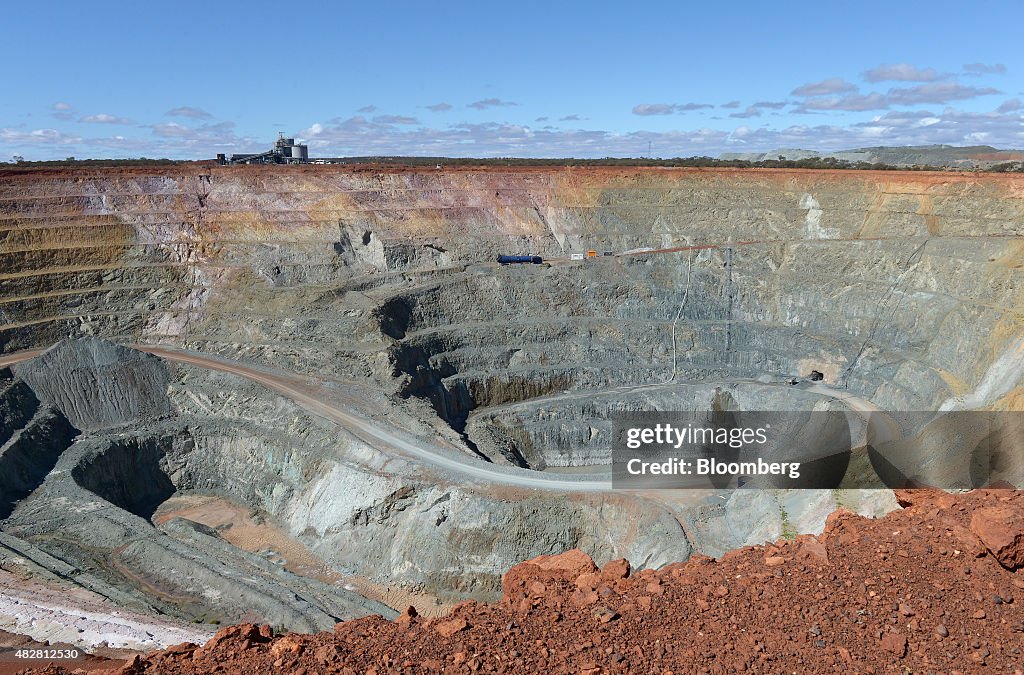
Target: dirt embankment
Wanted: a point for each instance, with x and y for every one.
(933, 588)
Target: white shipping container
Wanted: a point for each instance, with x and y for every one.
(576, 256)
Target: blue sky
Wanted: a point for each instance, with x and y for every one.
(190, 79)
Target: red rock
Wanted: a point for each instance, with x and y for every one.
(812, 548)
(569, 565)
(134, 666)
(584, 598)
(407, 616)
(968, 541)
(924, 497)
(895, 643)
(450, 628)
(1001, 530)
(836, 520)
(225, 635)
(589, 621)
(325, 654)
(774, 561)
(289, 644)
(183, 648)
(616, 569)
(575, 562)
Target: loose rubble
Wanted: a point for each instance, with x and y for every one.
(930, 588)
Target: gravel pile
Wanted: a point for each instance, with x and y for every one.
(929, 588)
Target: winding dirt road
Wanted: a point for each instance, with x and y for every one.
(419, 448)
(391, 438)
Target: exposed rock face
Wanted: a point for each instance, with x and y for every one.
(77, 507)
(97, 384)
(1001, 530)
(901, 288)
(853, 599)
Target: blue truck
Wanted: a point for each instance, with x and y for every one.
(512, 259)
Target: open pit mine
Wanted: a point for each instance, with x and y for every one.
(301, 395)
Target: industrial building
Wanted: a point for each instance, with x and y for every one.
(285, 151)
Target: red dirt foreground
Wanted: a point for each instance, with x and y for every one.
(931, 588)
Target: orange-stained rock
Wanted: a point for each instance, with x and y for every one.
(814, 549)
(588, 581)
(920, 497)
(450, 628)
(616, 569)
(1001, 531)
(895, 643)
(289, 644)
(566, 566)
(907, 596)
(244, 631)
(407, 616)
(575, 562)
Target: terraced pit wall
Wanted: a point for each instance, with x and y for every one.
(903, 287)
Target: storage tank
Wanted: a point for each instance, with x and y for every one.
(510, 259)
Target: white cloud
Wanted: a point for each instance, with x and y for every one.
(984, 69)
(853, 102)
(648, 109)
(486, 103)
(937, 92)
(903, 72)
(171, 130)
(395, 119)
(1010, 105)
(189, 111)
(204, 131)
(358, 136)
(833, 85)
(18, 138)
(934, 92)
(900, 121)
(751, 111)
(104, 118)
(63, 111)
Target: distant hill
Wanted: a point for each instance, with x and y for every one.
(945, 156)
